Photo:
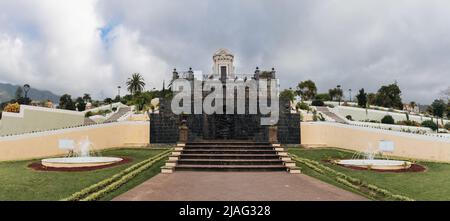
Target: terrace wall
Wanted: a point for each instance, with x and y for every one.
(31, 118)
(360, 114)
(358, 138)
(103, 136)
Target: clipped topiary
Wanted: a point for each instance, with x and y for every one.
(388, 119)
(430, 124)
(318, 103)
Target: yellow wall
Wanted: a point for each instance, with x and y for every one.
(33, 118)
(44, 144)
(358, 138)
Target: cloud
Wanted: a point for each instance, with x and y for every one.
(92, 46)
(68, 52)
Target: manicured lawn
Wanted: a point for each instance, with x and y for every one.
(432, 184)
(18, 182)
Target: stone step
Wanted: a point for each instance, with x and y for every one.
(236, 168)
(230, 162)
(249, 143)
(229, 147)
(219, 151)
(229, 156)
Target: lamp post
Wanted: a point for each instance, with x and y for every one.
(339, 89)
(26, 88)
(350, 94)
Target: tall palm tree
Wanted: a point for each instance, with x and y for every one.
(87, 98)
(135, 83)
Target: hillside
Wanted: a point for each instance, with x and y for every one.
(7, 92)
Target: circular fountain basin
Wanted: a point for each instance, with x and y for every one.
(75, 162)
(376, 164)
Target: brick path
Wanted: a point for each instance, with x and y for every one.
(237, 186)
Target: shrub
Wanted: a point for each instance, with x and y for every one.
(88, 114)
(409, 123)
(388, 119)
(303, 106)
(14, 108)
(349, 117)
(318, 103)
(430, 124)
(447, 126)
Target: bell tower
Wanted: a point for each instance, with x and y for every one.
(223, 67)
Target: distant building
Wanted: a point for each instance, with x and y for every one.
(410, 108)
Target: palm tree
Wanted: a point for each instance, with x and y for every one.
(135, 83)
(87, 98)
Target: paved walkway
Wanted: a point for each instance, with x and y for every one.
(239, 186)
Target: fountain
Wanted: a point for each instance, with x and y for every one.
(368, 160)
(80, 156)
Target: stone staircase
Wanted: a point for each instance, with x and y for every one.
(332, 115)
(116, 116)
(229, 156)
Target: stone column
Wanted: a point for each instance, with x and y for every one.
(273, 134)
(183, 132)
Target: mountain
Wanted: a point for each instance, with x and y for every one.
(8, 91)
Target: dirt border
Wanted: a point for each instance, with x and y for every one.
(39, 167)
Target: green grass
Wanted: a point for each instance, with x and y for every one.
(432, 184)
(18, 182)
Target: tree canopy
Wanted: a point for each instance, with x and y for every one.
(362, 98)
(389, 96)
(307, 89)
(66, 102)
(135, 83)
(438, 107)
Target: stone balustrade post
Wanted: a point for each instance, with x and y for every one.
(273, 134)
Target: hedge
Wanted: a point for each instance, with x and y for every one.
(349, 181)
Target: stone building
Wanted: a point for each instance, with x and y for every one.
(165, 124)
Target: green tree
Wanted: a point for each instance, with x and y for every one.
(87, 98)
(19, 93)
(335, 93)
(81, 104)
(289, 94)
(135, 83)
(448, 110)
(108, 100)
(362, 98)
(307, 89)
(389, 96)
(323, 97)
(438, 107)
(66, 102)
(371, 97)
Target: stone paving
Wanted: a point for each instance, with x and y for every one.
(236, 186)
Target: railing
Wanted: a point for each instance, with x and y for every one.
(398, 128)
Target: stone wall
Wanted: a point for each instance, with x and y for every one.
(408, 145)
(164, 126)
(102, 136)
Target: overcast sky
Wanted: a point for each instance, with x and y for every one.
(84, 46)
